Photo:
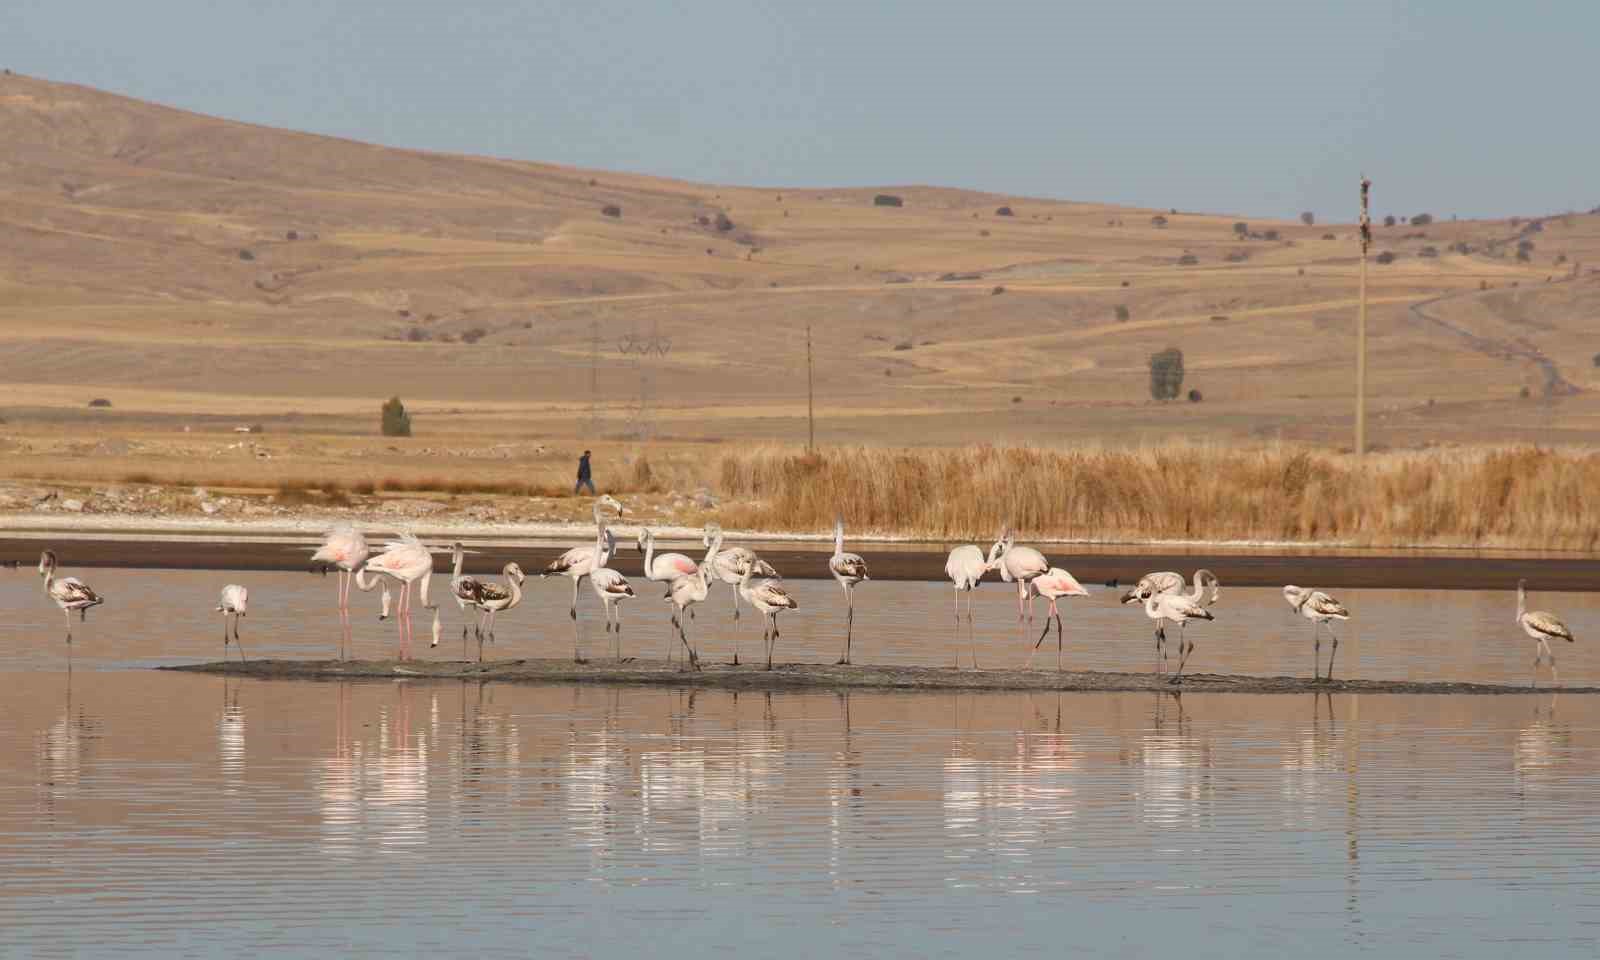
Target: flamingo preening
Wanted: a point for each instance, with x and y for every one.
(579, 562)
(965, 568)
(1153, 584)
(664, 568)
(346, 549)
(769, 597)
(684, 592)
(233, 602)
(1163, 581)
(728, 566)
(407, 561)
(1542, 627)
(489, 598)
(848, 569)
(1320, 608)
(1179, 609)
(1018, 565)
(1054, 584)
(69, 593)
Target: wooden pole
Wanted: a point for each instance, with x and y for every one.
(1361, 327)
(811, 412)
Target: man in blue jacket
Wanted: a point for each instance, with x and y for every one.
(584, 476)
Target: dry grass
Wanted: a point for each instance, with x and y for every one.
(1519, 497)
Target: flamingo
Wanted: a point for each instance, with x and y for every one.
(464, 589)
(685, 592)
(488, 597)
(346, 549)
(1180, 610)
(848, 569)
(769, 597)
(1053, 585)
(69, 593)
(1018, 565)
(233, 602)
(664, 568)
(407, 561)
(1319, 608)
(578, 562)
(965, 568)
(612, 588)
(729, 567)
(1168, 582)
(1542, 627)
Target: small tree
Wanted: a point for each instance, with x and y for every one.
(1386, 257)
(1308, 218)
(1422, 219)
(1122, 313)
(1389, 220)
(396, 422)
(1158, 221)
(1241, 229)
(1166, 373)
(1524, 250)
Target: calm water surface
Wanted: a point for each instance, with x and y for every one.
(173, 814)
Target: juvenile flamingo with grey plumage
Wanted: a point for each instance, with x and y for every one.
(1542, 627)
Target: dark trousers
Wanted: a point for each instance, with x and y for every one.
(583, 482)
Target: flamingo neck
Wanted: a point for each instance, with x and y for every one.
(460, 560)
(1522, 601)
(649, 555)
(516, 588)
(838, 539)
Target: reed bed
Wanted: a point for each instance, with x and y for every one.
(1520, 497)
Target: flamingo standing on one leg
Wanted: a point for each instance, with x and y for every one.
(579, 561)
(769, 597)
(407, 561)
(848, 569)
(346, 549)
(490, 598)
(728, 566)
(1053, 585)
(1542, 627)
(965, 568)
(1018, 565)
(1319, 608)
(1168, 582)
(233, 602)
(664, 568)
(69, 593)
(684, 592)
(1180, 610)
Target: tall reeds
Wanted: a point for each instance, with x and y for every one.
(1519, 497)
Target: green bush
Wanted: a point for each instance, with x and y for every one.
(396, 422)
(1166, 374)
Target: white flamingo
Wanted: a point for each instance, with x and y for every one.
(69, 593)
(612, 588)
(1542, 627)
(1180, 610)
(578, 562)
(769, 597)
(965, 568)
(1018, 565)
(407, 561)
(346, 549)
(1152, 584)
(233, 602)
(1054, 584)
(684, 592)
(1320, 608)
(728, 566)
(664, 568)
(848, 569)
(490, 598)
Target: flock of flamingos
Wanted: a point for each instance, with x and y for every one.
(407, 561)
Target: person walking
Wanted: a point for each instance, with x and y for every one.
(585, 478)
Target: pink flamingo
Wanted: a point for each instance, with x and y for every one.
(346, 549)
(684, 592)
(1054, 584)
(406, 560)
(665, 568)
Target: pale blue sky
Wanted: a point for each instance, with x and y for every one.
(1258, 107)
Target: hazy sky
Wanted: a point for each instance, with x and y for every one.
(1260, 107)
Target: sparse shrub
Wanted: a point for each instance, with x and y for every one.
(1422, 219)
(1389, 220)
(1003, 212)
(473, 335)
(257, 428)
(1195, 396)
(1462, 247)
(1329, 236)
(99, 402)
(292, 235)
(1236, 256)
(396, 421)
(1524, 250)
(1158, 221)
(1166, 373)
(418, 335)
(983, 233)
(1016, 399)
(1241, 229)
(904, 345)
(643, 476)
(1308, 218)
(1483, 284)
(1123, 314)
(1524, 393)
(246, 255)
(1269, 235)
(723, 223)
(1188, 260)
(887, 200)
(1597, 359)
(1561, 258)
(997, 291)
(611, 210)
(1429, 252)
(1385, 257)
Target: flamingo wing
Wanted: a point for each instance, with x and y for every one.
(71, 590)
(848, 565)
(1547, 624)
(1327, 606)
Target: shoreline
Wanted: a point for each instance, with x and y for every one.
(796, 676)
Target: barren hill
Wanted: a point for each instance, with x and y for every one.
(182, 265)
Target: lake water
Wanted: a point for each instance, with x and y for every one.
(145, 812)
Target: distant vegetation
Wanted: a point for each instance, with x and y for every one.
(1422, 219)
(1166, 374)
(611, 210)
(1122, 315)
(1386, 257)
(396, 421)
(1524, 250)
(1158, 221)
(99, 402)
(886, 200)
(1188, 260)
(1241, 229)
(1003, 212)
(1389, 221)
(1308, 218)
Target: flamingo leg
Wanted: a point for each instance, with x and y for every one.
(1185, 647)
(972, 634)
(68, 614)
(1058, 636)
(573, 613)
(577, 656)
(1316, 650)
(236, 641)
(694, 658)
(849, 622)
(1334, 652)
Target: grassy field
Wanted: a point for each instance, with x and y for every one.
(203, 275)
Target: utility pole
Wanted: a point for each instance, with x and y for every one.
(1361, 326)
(811, 410)
(594, 378)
